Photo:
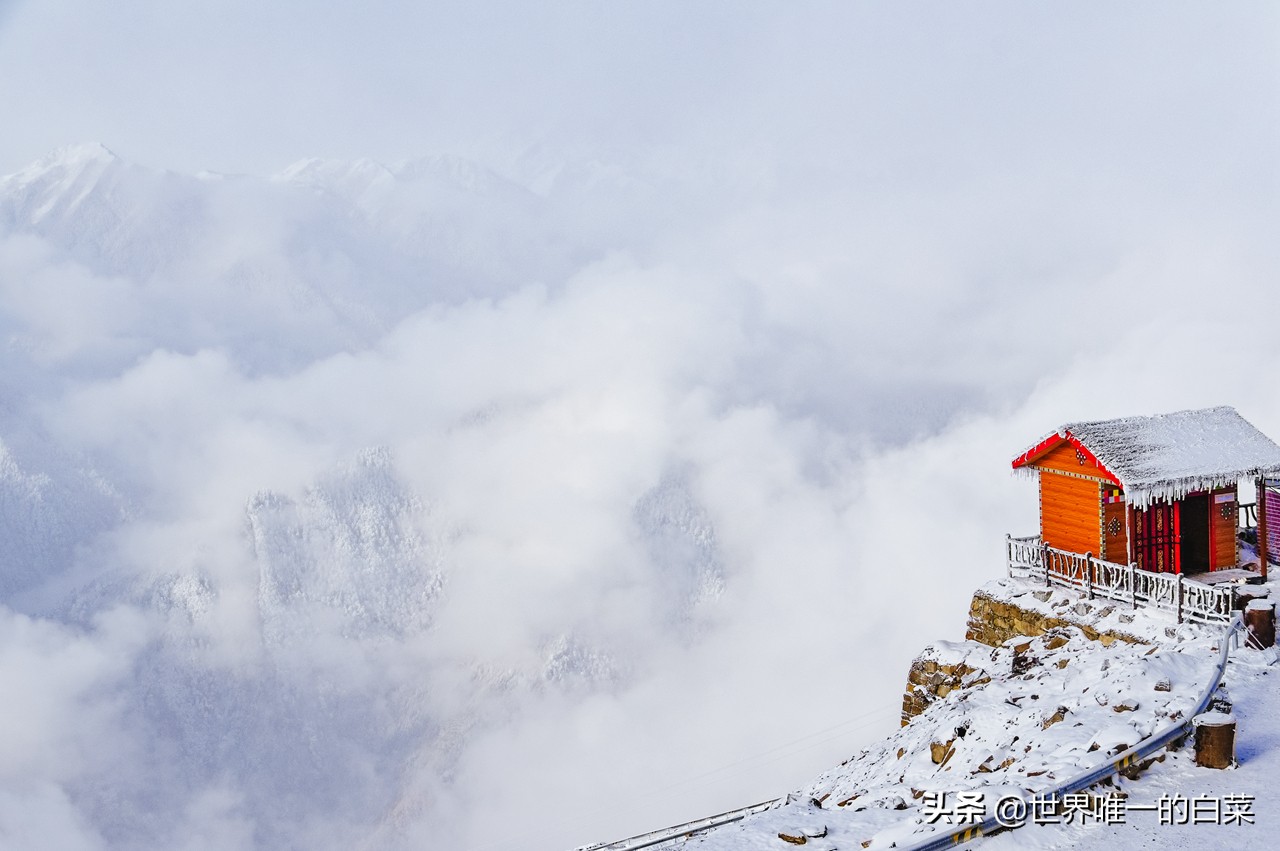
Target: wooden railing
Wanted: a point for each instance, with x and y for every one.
(1029, 558)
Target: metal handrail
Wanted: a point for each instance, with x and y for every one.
(666, 834)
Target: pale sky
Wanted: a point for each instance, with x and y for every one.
(1173, 94)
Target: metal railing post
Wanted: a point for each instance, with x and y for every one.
(1133, 582)
(1088, 575)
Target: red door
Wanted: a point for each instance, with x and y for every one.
(1158, 539)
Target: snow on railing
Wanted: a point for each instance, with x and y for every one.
(1023, 552)
(1029, 558)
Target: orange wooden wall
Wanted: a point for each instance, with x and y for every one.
(1070, 504)
(1070, 513)
(1065, 458)
(1223, 521)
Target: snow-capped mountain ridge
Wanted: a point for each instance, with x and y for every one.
(441, 172)
(68, 159)
(324, 257)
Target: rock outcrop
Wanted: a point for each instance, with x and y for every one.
(996, 621)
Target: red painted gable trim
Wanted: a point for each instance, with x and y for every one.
(1051, 442)
(1036, 451)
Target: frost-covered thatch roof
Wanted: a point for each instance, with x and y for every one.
(1167, 456)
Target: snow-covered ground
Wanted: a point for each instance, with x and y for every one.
(1032, 714)
(1253, 680)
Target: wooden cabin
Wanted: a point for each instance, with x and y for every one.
(1157, 491)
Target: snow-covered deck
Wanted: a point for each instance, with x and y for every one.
(1185, 597)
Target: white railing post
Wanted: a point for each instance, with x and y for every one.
(1179, 598)
(1097, 577)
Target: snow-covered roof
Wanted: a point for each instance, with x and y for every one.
(1167, 456)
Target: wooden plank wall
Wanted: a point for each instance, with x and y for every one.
(1071, 512)
(1071, 515)
(1223, 521)
(1064, 458)
(1115, 529)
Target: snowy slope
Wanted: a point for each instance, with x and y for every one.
(1254, 682)
(349, 548)
(1021, 722)
(49, 507)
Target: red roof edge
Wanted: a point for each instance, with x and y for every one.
(1036, 451)
(1053, 440)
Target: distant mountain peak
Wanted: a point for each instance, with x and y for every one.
(83, 158)
(82, 152)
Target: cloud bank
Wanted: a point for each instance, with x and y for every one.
(574, 486)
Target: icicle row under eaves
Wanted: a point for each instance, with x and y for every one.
(1026, 472)
(1143, 496)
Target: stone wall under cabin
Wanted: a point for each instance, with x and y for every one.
(993, 621)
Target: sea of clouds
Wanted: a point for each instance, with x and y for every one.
(523, 502)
